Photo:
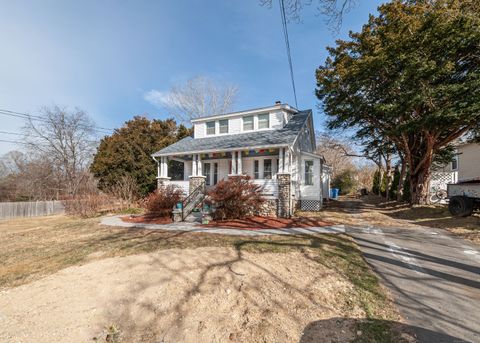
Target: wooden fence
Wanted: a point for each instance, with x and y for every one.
(10, 210)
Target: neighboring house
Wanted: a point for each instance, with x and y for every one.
(465, 166)
(274, 145)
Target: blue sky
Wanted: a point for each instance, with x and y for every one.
(104, 56)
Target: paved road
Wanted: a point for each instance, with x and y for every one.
(434, 277)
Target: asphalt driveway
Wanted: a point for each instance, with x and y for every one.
(433, 276)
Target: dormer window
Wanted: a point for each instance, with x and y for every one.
(210, 127)
(223, 126)
(248, 123)
(264, 121)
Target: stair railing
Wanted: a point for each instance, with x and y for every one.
(190, 199)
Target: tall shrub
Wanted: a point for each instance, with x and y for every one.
(235, 198)
(162, 201)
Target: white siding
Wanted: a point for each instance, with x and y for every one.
(235, 123)
(276, 119)
(199, 130)
(310, 192)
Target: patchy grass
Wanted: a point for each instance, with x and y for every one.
(33, 248)
(438, 216)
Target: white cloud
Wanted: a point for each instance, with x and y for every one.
(157, 98)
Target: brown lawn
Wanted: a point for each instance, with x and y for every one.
(66, 279)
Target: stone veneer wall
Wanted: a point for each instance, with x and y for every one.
(269, 208)
(195, 181)
(162, 181)
(284, 195)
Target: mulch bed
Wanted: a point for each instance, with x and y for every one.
(149, 218)
(259, 223)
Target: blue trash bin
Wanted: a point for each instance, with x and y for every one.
(334, 193)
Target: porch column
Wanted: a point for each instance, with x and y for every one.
(199, 165)
(234, 164)
(280, 160)
(194, 165)
(287, 161)
(239, 163)
(162, 172)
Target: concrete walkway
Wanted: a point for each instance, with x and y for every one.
(194, 227)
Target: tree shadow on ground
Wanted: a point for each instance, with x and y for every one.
(335, 252)
(371, 331)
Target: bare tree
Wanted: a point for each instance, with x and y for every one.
(197, 97)
(66, 140)
(126, 190)
(334, 10)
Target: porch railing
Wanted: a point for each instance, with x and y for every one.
(269, 186)
(193, 200)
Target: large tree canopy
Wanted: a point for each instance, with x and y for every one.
(413, 74)
(127, 152)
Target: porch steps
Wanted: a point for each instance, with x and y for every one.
(194, 217)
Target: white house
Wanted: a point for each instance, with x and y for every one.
(274, 145)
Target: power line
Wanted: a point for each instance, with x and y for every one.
(287, 45)
(30, 134)
(43, 119)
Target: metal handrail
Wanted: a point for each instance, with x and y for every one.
(190, 197)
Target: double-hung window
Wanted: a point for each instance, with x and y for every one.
(264, 121)
(210, 127)
(248, 123)
(256, 170)
(207, 171)
(455, 162)
(267, 169)
(223, 126)
(308, 172)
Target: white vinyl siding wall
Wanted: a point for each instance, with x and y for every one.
(235, 124)
(310, 192)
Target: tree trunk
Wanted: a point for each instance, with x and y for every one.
(401, 181)
(419, 184)
(388, 175)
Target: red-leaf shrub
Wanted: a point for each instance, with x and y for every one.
(235, 198)
(162, 201)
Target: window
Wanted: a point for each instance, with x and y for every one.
(215, 173)
(256, 171)
(223, 126)
(309, 172)
(210, 127)
(206, 168)
(455, 162)
(267, 169)
(264, 121)
(248, 123)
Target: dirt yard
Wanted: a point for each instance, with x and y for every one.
(68, 280)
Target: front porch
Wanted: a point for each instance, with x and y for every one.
(262, 165)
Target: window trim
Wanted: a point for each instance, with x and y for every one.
(267, 115)
(455, 159)
(253, 123)
(309, 175)
(214, 128)
(220, 126)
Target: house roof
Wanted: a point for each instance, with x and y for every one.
(256, 139)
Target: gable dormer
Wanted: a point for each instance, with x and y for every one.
(268, 118)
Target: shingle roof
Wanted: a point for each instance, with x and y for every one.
(285, 135)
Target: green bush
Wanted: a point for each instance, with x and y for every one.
(345, 181)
